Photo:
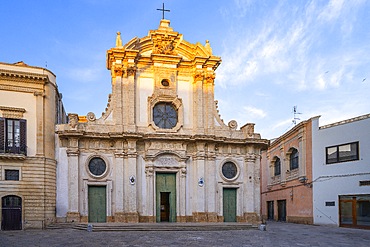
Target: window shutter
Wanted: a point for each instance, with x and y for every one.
(23, 138)
(2, 135)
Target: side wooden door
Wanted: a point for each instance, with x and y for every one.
(97, 204)
(229, 204)
(11, 213)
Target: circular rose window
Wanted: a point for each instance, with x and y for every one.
(229, 170)
(165, 115)
(97, 166)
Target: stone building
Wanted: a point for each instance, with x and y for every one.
(30, 106)
(286, 172)
(160, 151)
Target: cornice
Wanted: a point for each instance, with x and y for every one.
(23, 76)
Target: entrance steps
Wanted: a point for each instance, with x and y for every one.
(99, 227)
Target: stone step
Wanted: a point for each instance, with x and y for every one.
(98, 227)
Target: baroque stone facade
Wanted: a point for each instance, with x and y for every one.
(160, 151)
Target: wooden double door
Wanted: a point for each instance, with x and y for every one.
(11, 213)
(166, 197)
(229, 204)
(97, 203)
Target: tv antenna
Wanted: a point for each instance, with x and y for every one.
(295, 113)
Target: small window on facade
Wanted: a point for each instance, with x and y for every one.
(277, 167)
(165, 82)
(294, 159)
(342, 153)
(12, 175)
(329, 204)
(365, 183)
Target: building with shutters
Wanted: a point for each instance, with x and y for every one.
(160, 151)
(30, 106)
(286, 174)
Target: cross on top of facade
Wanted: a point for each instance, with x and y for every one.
(163, 10)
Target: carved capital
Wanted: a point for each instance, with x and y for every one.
(210, 78)
(131, 71)
(73, 152)
(250, 157)
(198, 76)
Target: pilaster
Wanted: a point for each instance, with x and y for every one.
(73, 214)
(40, 143)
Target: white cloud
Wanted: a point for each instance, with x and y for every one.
(253, 112)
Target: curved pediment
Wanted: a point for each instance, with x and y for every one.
(164, 41)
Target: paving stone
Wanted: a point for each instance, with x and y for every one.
(277, 234)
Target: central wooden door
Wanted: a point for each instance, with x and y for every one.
(166, 197)
(97, 204)
(229, 204)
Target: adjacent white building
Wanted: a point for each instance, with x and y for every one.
(341, 172)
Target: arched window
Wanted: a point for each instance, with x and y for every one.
(277, 167)
(294, 159)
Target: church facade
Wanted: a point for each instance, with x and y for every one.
(160, 151)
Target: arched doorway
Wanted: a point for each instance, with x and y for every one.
(11, 213)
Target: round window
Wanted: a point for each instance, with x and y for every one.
(229, 170)
(165, 115)
(97, 166)
(165, 82)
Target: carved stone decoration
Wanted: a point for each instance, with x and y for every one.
(131, 71)
(233, 124)
(198, 76)
(210, 77)
(73, 120)
(164, 44)
(90, 117)
(250, 130)
(118, 40)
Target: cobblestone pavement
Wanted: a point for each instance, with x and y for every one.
(277, 234)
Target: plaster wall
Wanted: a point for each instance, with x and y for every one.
(332, 180)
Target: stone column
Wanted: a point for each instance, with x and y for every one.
(198, 104)
(182, 190)
(283, 167)
(130, 187)
(40, 124)
(149, 207)
(199, 191)
(117, 73)
(73, 214)
(118, 187)
(211, 184)
(210, 104)
(302, 156)
(131, 127)
(252, 189)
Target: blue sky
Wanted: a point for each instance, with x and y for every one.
(275, 54)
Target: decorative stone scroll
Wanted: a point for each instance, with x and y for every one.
(233, 125)
(90, 117)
